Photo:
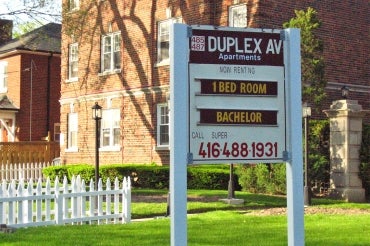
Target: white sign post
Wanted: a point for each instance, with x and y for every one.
(235, 98)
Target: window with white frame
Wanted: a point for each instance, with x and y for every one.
(72, 130)
(111, 52)
(73, 62)
(110, 128)
(164, 39)
(3, 76)
(238, 15)
(162, 125)
(73, 5)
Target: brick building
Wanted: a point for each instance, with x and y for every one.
(30, 84)
(116, 54)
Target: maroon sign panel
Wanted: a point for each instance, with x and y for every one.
(238, 117)
(237, 87)
(240, 48)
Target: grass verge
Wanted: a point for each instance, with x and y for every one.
(212, 223)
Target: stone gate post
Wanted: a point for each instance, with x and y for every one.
(345, 142)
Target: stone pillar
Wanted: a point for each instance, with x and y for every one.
(345, 142)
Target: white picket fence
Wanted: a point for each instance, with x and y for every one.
(25, 171)
(26, 206)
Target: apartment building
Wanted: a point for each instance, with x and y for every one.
(116, 53)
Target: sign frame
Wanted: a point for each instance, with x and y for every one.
(243, 98)
(179, 139)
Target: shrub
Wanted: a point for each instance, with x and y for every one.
(365, 158)
(318, 158)
(148, 176)
(263, 178)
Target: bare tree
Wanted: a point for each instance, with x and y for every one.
(36, 11)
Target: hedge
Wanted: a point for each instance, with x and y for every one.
(148, 176)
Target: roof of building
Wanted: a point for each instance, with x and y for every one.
(46, 38)
(6, 104)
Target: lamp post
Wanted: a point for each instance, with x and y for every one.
(306, 113)
(345, 92)
(97, 115)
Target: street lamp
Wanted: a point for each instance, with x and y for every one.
(345, 91)
(97, 115)
(306, 113)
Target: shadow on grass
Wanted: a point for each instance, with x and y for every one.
(153, 203)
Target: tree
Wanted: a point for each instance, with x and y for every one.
(313, 74)
(25, 28)
(36, 12)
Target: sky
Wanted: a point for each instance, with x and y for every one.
(7, 6)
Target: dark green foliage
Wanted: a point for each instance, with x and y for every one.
(148, 176)
(210, 178)
(318, 158)
(313, 67)
(55, 171)
(263, 178)
(271, 178)
(365, 158)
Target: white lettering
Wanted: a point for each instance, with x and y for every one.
(273, 46)
(212, 45)
(270, 47)
(257, 43)
(247, 45)
(277, 46)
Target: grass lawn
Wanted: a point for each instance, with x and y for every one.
(212, 223)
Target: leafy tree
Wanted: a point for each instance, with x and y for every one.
(313, 79)
(25, 28)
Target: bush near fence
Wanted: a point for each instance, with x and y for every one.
(150, 176)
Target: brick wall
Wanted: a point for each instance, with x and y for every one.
(130, 90)
(19, 91)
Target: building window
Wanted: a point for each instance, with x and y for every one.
(162, 125)
(238, 15)
(111, 52)
(3, 77)
(111, 131)
(164, 39)
(73, 5)
(72, 130)
(57, 132)
(73, 62)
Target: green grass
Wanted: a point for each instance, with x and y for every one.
(212, 223)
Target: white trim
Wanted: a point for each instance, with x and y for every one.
(237, 8)
(72, 149)
(352, 87)
(116, 94)
(160, 123)
(110, 149)
(113, 45)
(15, 52)
(166, 38)
(72, 47)
(4, 76)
